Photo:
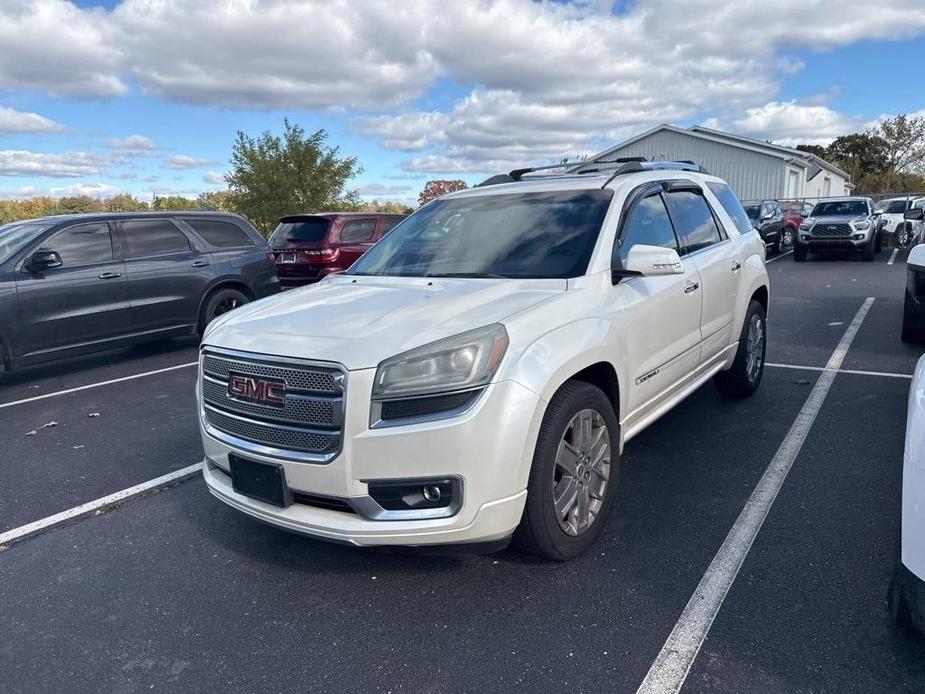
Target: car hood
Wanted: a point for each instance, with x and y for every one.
(838, 219)
(360, 321)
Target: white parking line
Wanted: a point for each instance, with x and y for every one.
(86, 509)
(858, 372)
(674, 661)
(777, 257)
(97, 385)
(892, 256)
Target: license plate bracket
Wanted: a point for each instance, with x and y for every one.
(261, 481)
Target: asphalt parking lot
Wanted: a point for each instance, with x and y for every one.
(175, 591)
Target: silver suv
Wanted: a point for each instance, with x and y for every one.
(839, 224)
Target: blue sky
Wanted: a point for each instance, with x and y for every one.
(420, 90)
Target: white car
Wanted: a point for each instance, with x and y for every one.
(465, 382)
(907, 590)
(892, 211)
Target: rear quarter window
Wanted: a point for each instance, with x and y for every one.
(220, 234)
(731, 204)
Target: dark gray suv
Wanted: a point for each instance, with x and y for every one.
(79, 283)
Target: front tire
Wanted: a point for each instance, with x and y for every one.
(743, 379)
(786, 238)
(867, 253)
(574, 474)
(799, 253)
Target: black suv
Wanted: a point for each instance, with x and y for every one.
(79, 283)
(767, 216)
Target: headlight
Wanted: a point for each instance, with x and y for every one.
(461, 362)
(862, 226)
(808, 224)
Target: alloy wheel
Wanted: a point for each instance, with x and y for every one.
(754, 345)
(582, 472)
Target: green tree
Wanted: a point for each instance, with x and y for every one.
(174, 202)
(216, 201)
(903, 137)
(859, 154)
(123, 203)
(818, 150)
(76, 203)
(274, 175)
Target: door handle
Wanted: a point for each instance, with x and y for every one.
(201, 263)
(736, 266)
(691, 287)
(109, 276)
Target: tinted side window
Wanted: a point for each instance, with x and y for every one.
(220, 234)
(388, 224)
(693, 220)
(648, 224)
(358, 231)
(731, 204)
(83, 245)
(145, 237)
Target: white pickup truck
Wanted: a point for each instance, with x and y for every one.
(475, 376)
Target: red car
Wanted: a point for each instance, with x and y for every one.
(307, 247)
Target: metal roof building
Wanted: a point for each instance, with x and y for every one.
(753, 168)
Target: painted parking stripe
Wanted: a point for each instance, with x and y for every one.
(86, 509)
(98, 385)
(674, 661)
(777, 257)
(857, 372)
(892, 256)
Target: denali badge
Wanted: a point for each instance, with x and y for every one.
(261, 390)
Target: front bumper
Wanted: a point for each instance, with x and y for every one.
(488, 447)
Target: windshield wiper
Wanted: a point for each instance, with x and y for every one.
(467, 274)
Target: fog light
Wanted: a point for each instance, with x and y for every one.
(406, 495)
(805, 237)
(858, 237)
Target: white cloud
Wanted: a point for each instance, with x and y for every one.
(13, 121)
(544, 79)
(94, 190)
(214, 178)
(53, 46)
(20, 192)
(133, 144)
(791, 123)
(66, 165)
(181, 161)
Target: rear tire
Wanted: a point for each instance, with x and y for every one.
(799, 253)
(219, 302)
(743, 379)
(573, 478)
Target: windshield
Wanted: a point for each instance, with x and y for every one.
(526, 235)
(840, 208)
(309, 229)
(752, 211)
(14, 237)
(893, 206)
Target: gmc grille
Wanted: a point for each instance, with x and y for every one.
(306, 425)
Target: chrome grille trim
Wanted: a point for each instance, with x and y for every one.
(306, 427)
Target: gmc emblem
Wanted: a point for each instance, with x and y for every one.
(260, 390)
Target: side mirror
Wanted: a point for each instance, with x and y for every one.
(915, 214)
(878, 211)
(43, 260)
(766, 216)
(650, 261)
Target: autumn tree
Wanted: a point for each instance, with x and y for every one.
(174, 202)
(904, 142)
(216, 201)
(434, 189)
(275, 175)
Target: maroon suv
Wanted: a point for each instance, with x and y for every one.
(307, 247)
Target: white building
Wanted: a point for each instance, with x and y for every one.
(754, 169)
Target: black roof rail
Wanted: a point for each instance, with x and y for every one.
(638, 166)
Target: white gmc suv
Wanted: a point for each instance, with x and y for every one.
(477, 373)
